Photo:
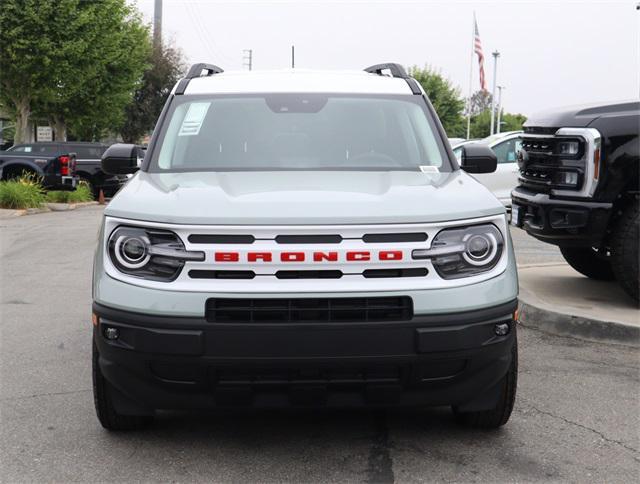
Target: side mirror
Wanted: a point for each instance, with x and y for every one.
(120, 159)
(478, 158)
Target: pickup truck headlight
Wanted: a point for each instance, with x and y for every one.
(157, 255)
(569, 148)
(465, 251)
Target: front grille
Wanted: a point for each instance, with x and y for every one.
(543, 164)
(309, 310)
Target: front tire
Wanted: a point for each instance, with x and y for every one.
(587, 262)
(499, 415)
(624, 251)
(105, 410)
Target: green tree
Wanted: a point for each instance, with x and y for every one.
(166, 65)
(480, 101)
(70, 61)
(480, 124)
(445, 98)
(32, 53)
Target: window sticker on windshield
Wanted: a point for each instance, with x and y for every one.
(193, 119)
(429, 169)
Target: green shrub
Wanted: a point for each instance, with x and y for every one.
(82, 193)
(24, 192)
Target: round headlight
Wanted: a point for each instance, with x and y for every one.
(480, 248)
(132, 251)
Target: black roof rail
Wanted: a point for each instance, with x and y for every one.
(396, 70)
(196, 71)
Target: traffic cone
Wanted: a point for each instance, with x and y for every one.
(101, 197)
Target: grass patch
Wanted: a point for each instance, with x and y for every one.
(82, 193)
(24, 192)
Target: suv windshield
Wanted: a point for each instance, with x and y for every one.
(298, 132)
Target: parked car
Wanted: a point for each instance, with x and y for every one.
(505, 178)
(57, 172)
(88, 157)
(578, 188)
(306, 240)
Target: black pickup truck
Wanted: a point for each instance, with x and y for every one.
(88, 157)
(578, 188)
(56, 171)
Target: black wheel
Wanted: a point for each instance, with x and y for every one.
(499, 415)
(588, 262)
(107, 414)
(624, 250)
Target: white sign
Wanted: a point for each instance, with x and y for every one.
(45, 133)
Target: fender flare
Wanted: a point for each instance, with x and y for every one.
(26, 163)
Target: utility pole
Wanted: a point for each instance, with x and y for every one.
(157, 23)
(247, 58)
(495, 55)
(500, 88)
(293, 56)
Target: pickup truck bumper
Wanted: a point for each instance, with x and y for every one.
(557, 221)
(57, 182)
(170, 362)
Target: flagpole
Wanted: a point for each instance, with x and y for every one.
(473, 33)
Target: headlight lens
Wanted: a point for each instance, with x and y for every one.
(567, 178)
(148, 253)
(465, 251)
(569, 148)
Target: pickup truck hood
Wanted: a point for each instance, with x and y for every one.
(302, 198)
(579, 116)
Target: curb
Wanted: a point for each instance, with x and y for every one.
(534, 313)
(48, 207)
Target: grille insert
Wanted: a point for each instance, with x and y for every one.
(204, 274)
(307, 310)
(309, 274)
(411, 272)
(401, 237)
(221, 239)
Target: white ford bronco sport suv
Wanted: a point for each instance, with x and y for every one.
(302, 238)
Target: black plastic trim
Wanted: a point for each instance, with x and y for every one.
(397, 237)
(161, 321)
(308, 239)
(221, 239)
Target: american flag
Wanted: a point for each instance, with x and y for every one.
(477, 45)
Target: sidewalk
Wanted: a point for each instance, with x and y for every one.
(558, 299)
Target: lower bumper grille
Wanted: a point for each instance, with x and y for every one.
(307, 310)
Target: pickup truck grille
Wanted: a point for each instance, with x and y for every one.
(309, 310)
(540, 168)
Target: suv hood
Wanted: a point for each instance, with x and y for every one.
(302, 198)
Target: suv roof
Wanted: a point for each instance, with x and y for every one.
(297, 80)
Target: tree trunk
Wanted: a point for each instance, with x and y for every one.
(23, 111)
(59, 128)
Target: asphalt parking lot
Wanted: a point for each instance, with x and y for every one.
(576, 416)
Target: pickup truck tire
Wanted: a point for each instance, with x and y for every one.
(624, 250)
(106, 412)
(586, 261)
(499, 415)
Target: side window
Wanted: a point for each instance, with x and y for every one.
(22, 149)
(507, 151)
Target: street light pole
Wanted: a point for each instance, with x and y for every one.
(495, 55)
(500, 88)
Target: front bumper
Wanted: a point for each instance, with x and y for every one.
(561, 222)
(170, 362)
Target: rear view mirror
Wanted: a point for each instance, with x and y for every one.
(478, 158)
(120, 159)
